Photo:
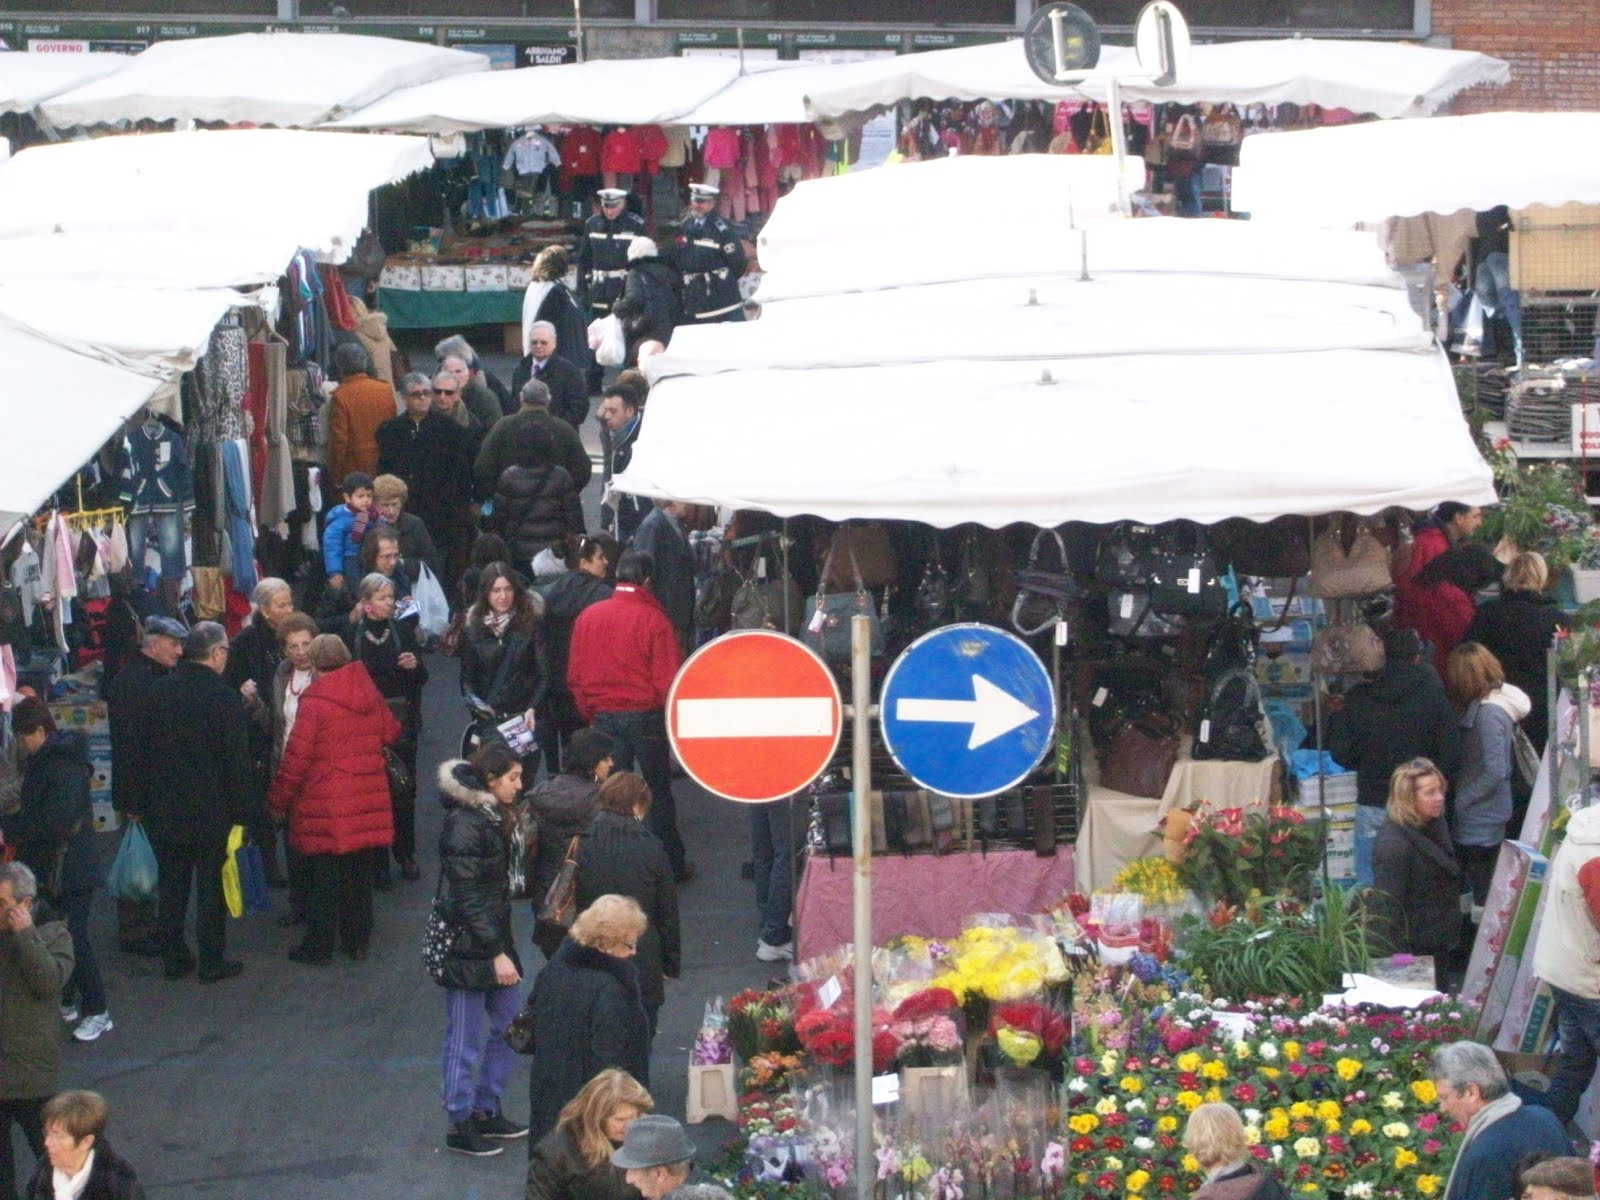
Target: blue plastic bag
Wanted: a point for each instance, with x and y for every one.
(133, 873)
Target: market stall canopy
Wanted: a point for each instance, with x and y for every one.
(198, 182)
(240, 259)
(1205, 370)
(634, 91)
(90, 393)
(1389, 79)
(1354, 174)
(26, 79)
(288, 79)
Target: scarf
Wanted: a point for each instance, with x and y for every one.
(1486, 1116)
(497, 623)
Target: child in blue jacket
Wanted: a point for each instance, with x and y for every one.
(347, 524)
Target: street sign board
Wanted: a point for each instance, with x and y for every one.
(967, 710)
(754, 716)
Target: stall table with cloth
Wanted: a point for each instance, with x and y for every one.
(927, 895)
(1118, 828)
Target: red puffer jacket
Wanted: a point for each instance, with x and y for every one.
(331, 781)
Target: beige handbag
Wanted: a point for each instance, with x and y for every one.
(1353, 649)
(1338, 573)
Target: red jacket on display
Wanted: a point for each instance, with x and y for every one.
(619, 153)
(624, 654)
(722, 149)
(580, 154)
(652, 147)
(331, 780)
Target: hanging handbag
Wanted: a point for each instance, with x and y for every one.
(866, 546)
(561, 899)
(1230, 719)
(1126, 557)
(1340, 571)
(1278, 549)
(767, 604)
(1099, 139)
(833, 815)
(972, 591)
(829, 617)
(713, 604)
(1185, 137)
(402, 782)
(1349, 649)
(1222, 127)
(1044, 589)
(1183, 578)
(1141, 756)
(1132, 614)
(933, 600)
(1233, 641)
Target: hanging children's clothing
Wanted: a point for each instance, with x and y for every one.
(158, 491)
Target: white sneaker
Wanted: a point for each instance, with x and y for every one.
(92, 1027)
(69, 1013)
(766, 953)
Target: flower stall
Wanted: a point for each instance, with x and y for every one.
(1020, 1062)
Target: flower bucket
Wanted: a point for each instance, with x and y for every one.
(932, 1091)
(1585, 585)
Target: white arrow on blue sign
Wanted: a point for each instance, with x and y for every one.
(967, 710)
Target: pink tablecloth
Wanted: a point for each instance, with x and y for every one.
(924, 894)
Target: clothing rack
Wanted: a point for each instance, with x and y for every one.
(86, 519)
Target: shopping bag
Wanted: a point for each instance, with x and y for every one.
(607, 341)
(133, 872)
(433, 610)
(232, 888)
(253, 879)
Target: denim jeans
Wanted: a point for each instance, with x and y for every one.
(772, 843)
(1578, 1026)
(1369, 819)
(84, 985)
(476, 1067)
(1492, 284)
(167, 528)
(641, 738)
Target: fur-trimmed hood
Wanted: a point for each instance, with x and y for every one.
(460, 787)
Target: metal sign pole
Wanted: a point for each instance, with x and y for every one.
(861, 844)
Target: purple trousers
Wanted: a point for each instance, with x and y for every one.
(475, 1071)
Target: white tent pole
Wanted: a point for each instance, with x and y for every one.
(861, 846)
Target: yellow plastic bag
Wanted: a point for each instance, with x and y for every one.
(232, 889)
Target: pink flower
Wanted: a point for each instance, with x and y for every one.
(1428, 1122)
(1431, 1146)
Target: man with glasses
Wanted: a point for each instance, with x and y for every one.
(433, 455)
(197, 731)
(711, 259)
(569, 390)
(603, 251)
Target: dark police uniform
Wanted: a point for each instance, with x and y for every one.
(603, 258)
(710, 257)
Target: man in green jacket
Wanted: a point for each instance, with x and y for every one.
(35, 962)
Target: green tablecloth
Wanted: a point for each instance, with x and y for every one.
(449, 310)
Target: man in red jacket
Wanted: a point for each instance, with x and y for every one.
(623, 659)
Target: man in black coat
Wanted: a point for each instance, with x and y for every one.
(132, 774)
(531, 437)
(197, 733)
(433, 455)
(662, 535)
(1400, 715)
(569, 389)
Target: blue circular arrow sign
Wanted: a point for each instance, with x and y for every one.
(967, 710)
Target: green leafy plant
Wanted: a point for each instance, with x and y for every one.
(1232, 855)
(1276, 947)
(1542, 507)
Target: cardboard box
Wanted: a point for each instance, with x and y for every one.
(490, 277)
(444, 279)
(1504, 934)
(91, 720)
(1282, 669)
(519, 277)
(402, 277)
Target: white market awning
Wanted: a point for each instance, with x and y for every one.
(634, 91)
(286, 79)
(200, 182)
(1390, 79)
(1205, 370)
(1367, 173)
(26, 79)
(91, 392)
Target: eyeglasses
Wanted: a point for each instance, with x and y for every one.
(416, 395)
(445, 391)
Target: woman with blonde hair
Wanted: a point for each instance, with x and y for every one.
(1489, 709)
(1518, 628)
(1417, 883)
(573, 1160)
(587, 1014)
(1215, 1136)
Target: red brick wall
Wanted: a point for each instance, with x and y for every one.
(1553, 47)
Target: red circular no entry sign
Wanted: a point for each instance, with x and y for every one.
(754, 716)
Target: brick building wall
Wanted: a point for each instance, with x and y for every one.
(1553, 47)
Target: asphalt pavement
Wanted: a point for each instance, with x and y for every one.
(304, 1083)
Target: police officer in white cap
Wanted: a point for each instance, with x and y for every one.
(603, 252)
(711, 258)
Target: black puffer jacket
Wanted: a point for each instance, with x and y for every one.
(1416, 889)
(474, 879)
(535, 507)
(564, 598)
(621, 856)
(586, 1017)
(1401, 715)
(651, 304)
(557, 1171)
(1519, 627)
(520, 685)
(110, 1178)
(564, 806)
(56, 816)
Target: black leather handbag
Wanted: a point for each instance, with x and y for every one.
(1184, 579)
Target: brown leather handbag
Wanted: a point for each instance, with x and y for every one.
(1343, 566)
(1141, 757)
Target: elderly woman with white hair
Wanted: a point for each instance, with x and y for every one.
(253, 658)
(652, 301)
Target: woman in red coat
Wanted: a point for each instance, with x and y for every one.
(333, 787)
